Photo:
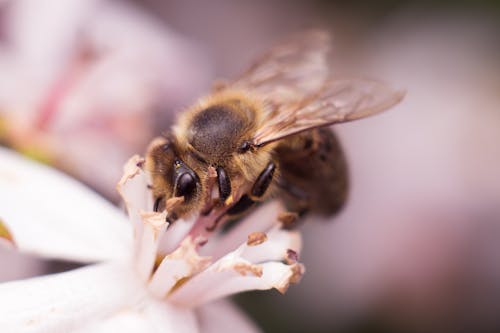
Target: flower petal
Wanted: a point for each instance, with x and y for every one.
(233, 274)
(148, 226)
(151, 316)
(64, 302)
(175, 233)
(133, 190)
(180, 264)
(52, 215)
(154, 227)
(261, 220)
(218, 316)
(16, 265)
(279, 246)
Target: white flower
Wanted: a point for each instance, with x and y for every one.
(81, 81)
(148, 276)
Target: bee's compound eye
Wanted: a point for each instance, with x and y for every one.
(244, 147)
(185, 186)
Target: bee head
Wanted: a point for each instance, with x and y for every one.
(171, 176)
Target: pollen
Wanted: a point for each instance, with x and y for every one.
(256, 238)
(5, 233)
(292, 257)
(229, 200)
(288, 218)
(248, 270)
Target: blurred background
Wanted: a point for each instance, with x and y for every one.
(84, 84)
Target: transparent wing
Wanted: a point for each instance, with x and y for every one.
(290, 71)
(336, 101)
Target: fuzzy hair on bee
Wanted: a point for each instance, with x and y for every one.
(266, 133)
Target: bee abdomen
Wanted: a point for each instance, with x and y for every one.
(318, 169)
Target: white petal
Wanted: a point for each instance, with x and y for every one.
(150, 316)
(221, 316)
(262, 220)
(133, 190)
(17, 265)
(53, 215)
(182, 263)
(175, 233)
(154, 227)
(280, 244)
(233, 274)
(274, 275)
(66, 301)
(148, 226)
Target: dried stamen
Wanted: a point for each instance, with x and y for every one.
(288, 219)
(291, 257)
(256, 238)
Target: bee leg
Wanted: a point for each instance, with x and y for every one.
(224, 184)
(298, 199)
(239, 207)
(242, 205)
(171, 218)
(159, 205)
(292, 190)
(259, 188)
(262, 183)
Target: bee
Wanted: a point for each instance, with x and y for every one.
(266, 133)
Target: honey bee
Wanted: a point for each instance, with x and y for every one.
(266, 133)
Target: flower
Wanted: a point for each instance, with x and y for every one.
(146, 276)
(83, 82)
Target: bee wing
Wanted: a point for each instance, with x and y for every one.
(337, 101)
(289, 71)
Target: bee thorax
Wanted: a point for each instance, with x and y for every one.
(216, 130)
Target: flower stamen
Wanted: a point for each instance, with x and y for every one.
(256, 238)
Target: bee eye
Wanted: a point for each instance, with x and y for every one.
(185, 180)
(185, 185)
(244, 147)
